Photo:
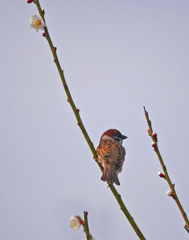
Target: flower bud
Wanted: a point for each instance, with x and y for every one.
(170, 194)
(161, 175)
(154, 145)
(149, 132)
(44, 34)
(29, 1)
(154, 135)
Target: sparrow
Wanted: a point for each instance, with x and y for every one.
(111, 155)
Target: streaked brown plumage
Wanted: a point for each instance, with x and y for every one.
(111, 155)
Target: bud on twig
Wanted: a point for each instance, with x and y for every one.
(44, 34)
(161, 175)
(154, 135)
(149, 132)
(29, 1)
(170, 194)
(154, 145)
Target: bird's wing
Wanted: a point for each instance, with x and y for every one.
(104, 149)
(117, 154)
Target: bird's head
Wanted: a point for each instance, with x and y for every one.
(114, 135)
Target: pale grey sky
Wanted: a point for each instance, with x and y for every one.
(117, 56)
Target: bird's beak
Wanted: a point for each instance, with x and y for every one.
(123, 137)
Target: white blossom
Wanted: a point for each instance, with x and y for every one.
(37, 23)
(75, 224)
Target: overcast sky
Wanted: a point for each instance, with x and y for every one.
(117, 56)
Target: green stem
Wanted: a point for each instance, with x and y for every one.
(126, 212)
(61, 73)
(86, 227)
(167, 178)
(80, 124)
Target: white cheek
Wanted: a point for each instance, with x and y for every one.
(107, 137)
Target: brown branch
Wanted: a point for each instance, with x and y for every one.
(80, 124)
(153, 135)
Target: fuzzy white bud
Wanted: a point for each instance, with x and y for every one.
(75, 224)
(169, 193)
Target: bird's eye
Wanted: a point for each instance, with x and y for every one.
(118, 135)
(117, 139)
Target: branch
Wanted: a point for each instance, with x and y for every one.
(80, 124)
(86, 227)
(172, 193)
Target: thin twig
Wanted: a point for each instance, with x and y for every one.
(80, 124)
(86, 227)
(167, 178)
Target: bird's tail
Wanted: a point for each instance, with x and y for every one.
(110, 176)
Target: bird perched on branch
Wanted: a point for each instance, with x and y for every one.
(111, 155)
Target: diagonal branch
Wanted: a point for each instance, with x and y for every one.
(80, 124)
(167, 178)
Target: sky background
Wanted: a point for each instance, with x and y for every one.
(117, 56)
